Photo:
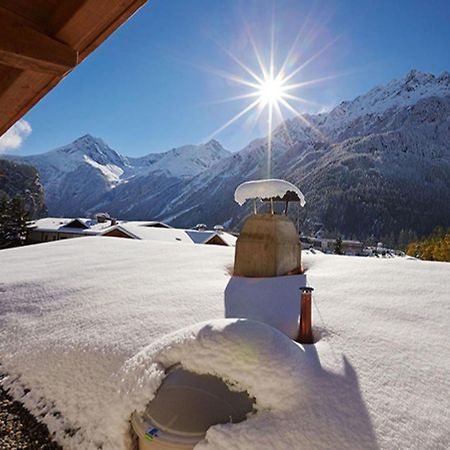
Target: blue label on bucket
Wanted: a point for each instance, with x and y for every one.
(151, 434)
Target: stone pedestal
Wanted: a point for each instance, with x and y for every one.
(268, 246)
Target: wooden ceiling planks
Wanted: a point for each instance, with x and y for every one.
(59, 35)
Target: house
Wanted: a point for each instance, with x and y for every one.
(349, 247)
(54, 229)
(310, 242)
(217, 237)
(135, 230)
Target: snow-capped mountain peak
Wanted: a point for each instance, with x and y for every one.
(91, 147)
(386, 144)
(190, 160)
(88, 168)
(407, 91)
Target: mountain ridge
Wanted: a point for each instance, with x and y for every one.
(78, 175)
(362, 165)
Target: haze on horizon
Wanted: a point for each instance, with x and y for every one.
(156, 83)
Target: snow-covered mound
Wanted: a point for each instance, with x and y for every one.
(237, 350)
(88, 325)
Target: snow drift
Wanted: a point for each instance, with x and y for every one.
(87, 327)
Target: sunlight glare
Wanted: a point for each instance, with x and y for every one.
(270, 91)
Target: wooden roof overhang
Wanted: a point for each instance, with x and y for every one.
(41, 41)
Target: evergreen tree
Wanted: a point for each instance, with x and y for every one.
(13, 222)
(338, 248)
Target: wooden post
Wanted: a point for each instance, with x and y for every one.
(305, 335)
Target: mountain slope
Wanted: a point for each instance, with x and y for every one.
(382, 167)
(21, 180)
(375, 165)
(80, 177)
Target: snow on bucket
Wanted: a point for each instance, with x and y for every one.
(185, 406)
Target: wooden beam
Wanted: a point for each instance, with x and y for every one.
(8, 76)
(62, 14)
(77, 25)
(114, 14)
(26, 48)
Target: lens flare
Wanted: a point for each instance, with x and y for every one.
(271, 90)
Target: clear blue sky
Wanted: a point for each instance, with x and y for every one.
(147, 89)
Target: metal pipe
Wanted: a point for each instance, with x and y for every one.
(305, 335)
(254, 206)
(271, 206)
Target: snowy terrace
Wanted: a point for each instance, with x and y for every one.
(85, 336)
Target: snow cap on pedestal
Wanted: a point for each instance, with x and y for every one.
(265, 189)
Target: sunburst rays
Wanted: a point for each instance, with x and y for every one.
(271, 90)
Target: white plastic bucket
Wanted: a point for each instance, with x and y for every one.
(185, 406)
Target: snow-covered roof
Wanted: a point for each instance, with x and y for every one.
(152, 233)
(63, 225)
(226, 237)
(85, 344)
(203, 237)
(49, 223)
(199, 236)
(265, 189)
(145, 223)
(143, 232)
(89, 226)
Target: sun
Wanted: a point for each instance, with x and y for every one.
(271, 91)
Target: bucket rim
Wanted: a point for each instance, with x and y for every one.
(149, 429)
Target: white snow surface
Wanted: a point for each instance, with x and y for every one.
(253, 298)
(87, 327)
(111, 172)
(265, 189)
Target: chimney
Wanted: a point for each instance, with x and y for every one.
(200, 227)
(305, 334)
(102, 217)
(269, 244)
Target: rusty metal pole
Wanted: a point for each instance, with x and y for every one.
(305, 335)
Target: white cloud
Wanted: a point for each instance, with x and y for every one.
(13, 138)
